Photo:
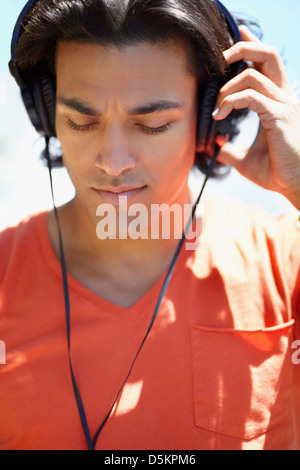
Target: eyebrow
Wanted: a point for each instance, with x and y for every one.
(77, 105)
(147, 108)
(156, 106)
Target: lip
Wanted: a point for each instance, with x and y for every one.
(112, 194)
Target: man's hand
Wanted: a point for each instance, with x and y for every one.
(273, 161)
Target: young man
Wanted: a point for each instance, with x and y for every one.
(216, 370)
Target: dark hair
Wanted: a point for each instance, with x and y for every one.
(198, 22)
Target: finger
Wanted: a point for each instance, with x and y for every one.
(268, 110)
(267, 57)
(247, 35)
(247, 162)
(229, 155)
(252, 79)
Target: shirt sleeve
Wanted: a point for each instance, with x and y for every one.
(269, 243)
(283, 237)
(6, 248)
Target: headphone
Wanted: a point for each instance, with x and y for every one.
(38, 92)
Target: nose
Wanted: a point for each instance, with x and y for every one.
(114, 154)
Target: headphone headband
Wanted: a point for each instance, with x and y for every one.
(38, 93)
(231, 24)
(14, 43)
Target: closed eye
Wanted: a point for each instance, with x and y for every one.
(147, 130)
(78, 127)
(155, 130)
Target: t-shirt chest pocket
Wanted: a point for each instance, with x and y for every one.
(241, 379)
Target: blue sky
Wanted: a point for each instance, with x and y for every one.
(280, 22)
(279, 19)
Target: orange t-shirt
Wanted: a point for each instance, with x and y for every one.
(216, 371)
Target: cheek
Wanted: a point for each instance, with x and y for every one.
(179, 154)
(76, 149)
(173, 153)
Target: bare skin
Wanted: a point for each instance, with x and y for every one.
(133, 126)
(125, 145)
(273, 161)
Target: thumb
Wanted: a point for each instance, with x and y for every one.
(231, 155)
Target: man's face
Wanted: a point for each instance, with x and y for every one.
(126, 120)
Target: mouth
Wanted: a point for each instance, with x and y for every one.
(112, 194)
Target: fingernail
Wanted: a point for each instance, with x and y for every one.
(216, 111)
(243, 27)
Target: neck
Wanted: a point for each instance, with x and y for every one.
(128, 237)
(81, 237)
(119, 270)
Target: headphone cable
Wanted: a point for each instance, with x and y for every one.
(91, 443)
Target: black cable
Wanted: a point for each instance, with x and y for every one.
(67, 308)
(92, 443)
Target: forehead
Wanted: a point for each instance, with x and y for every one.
(133, 71)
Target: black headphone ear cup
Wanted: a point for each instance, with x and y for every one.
(209, 131)
(206, 130)
(44, 100)
(29, 102)
(49, 100)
